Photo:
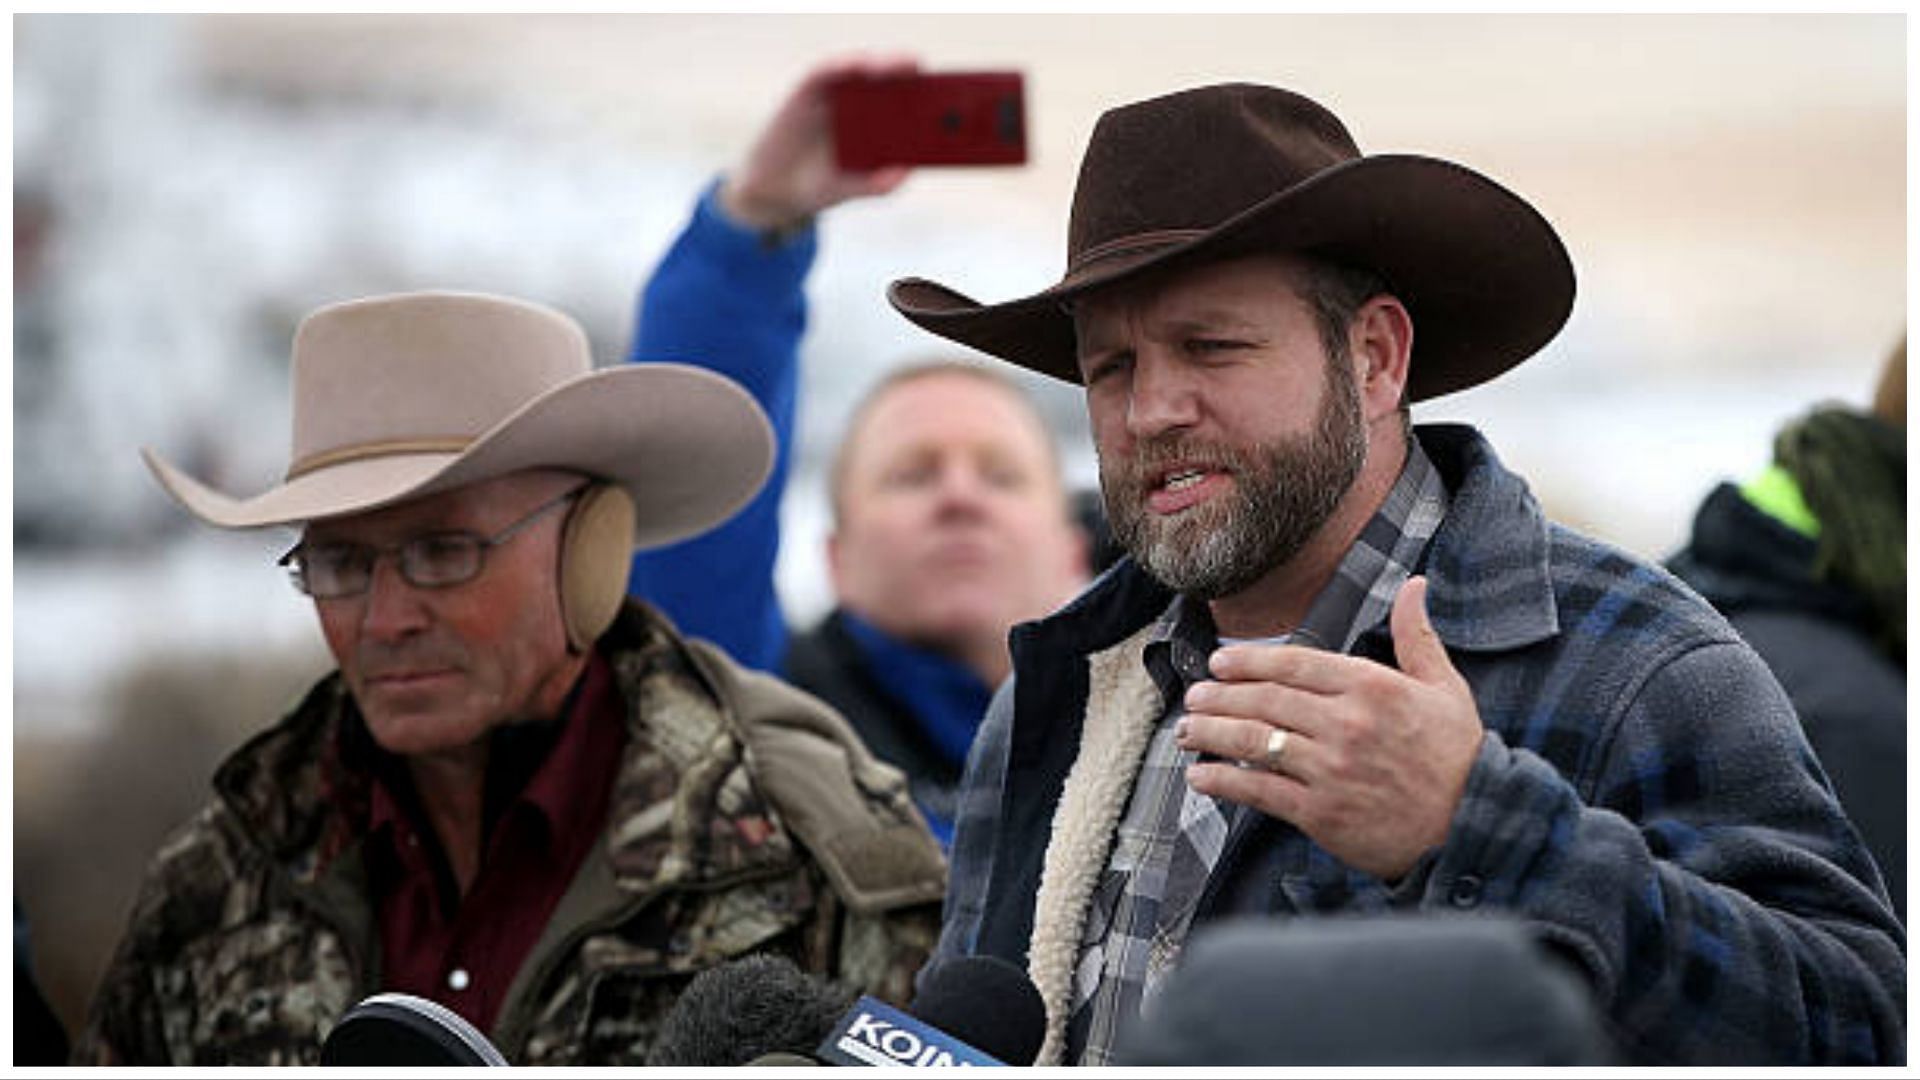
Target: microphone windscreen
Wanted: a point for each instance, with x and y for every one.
(985, 1002)
(748, 1009)
(781, 1059)
(393, 1030)
(1376, 990)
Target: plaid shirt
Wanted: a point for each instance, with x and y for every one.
(1172, 836)
(1644, 799)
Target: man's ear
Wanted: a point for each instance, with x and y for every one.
(1380, 339)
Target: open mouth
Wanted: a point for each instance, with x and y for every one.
(1182, 480)
(1181, 487)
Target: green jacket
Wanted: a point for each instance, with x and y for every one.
(746, 817)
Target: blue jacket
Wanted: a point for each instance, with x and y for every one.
(1645, 798)
(724, 299)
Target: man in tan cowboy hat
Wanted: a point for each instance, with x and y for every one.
(517, 796)
(1349, 666)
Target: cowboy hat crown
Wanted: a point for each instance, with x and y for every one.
(397, 397)
(1238, 169)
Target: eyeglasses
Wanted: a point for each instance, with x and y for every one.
(330, 571)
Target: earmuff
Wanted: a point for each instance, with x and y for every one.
(596, 550)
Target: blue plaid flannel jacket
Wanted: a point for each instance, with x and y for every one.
(1646, 798)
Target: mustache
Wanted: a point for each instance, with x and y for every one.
(374, 660)
(1153, 455)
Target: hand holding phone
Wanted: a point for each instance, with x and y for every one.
(789, 175)
(950, 118)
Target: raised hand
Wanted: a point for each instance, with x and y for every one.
(789, 174)
(1370, 761)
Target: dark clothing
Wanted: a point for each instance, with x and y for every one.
(1818, 637)
(38, 1036)
(829, 662)
(1644, 798)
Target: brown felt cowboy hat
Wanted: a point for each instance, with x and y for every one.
(395, 397)
(1238, 169)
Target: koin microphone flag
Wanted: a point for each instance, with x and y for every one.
(393, 1030)
(875, 1033)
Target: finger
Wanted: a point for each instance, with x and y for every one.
(1298, 666)
(883, 180)
(1245, 741)
(858, 65)
(836, 68)
(1416, 645)
(1273, 794)
(894, 64)
(1266, 702)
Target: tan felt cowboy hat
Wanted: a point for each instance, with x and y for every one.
(1238, 169)
(396, 397)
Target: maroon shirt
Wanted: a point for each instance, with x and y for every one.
(463, 952)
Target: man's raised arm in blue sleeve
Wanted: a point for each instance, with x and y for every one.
(729, 296)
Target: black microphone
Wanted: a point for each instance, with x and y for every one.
(762, 1010)
(972, 1010)
(756, 1010)
(1378, 990)
(985, 1001)
(393, 1030)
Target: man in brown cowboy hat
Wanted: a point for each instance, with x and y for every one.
(1349, 666)
(517, 796)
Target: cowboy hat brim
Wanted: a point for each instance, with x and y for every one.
(1484, 276)
(690, 446)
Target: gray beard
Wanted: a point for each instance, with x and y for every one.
(1284, 491)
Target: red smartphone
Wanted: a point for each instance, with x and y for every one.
(951, 118)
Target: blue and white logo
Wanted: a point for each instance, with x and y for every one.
(873, 1033)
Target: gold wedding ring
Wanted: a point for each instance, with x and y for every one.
(1276, 746)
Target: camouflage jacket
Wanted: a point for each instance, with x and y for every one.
(746, 817)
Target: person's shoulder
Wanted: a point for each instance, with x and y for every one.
(1497, 538)
(1609, 588)
(194, 878)
(717, 723)
(850, 810)
(823, 661)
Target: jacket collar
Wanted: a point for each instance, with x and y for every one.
(1489, 585)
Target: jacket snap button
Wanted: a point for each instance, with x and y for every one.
(1465, 891)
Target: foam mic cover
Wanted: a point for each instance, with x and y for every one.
(756, 1010)
(783, 1059)
(391, 1030)
(986, 1002)
(1377, 990)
